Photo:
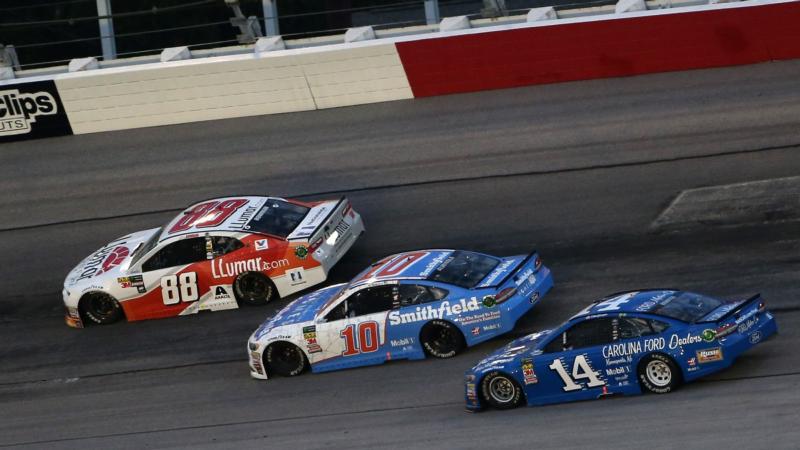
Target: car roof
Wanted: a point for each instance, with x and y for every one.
(637, 301)
(417, 265)
(247, 207)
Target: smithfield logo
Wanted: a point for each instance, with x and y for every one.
(19, 110)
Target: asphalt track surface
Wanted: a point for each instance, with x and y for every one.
(577, 170)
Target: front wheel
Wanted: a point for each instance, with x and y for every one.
(658, 374)
(501, 391)
(101, 308)
(253, 289)
(441, 339)
(284, 359)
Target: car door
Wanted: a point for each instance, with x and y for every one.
(353, 333)
(176, 276)
(404, 325)
(571, 366)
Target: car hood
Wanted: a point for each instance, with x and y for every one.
(518, 348)
(301, 310)
(108, 261)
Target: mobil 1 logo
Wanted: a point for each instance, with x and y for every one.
(31, 110)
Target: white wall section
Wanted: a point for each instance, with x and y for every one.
(163, 94)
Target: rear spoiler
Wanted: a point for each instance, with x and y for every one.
(735, 310)
(323, 225)
(511, 272)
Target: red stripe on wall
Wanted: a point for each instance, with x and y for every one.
(601, 49)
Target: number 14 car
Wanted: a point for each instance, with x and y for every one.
(217, 254)
(628, 343)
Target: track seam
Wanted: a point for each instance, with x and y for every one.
(445, 181)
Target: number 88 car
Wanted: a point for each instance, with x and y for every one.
(217, 254)
(628, 343)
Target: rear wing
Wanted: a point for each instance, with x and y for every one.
(719, 314)
(513, 271)
(320, 221)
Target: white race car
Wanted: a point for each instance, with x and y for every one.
(217, 254)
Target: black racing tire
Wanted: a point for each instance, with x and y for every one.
(253, 289)
(658, 374)
(284, 359)
(100, 308)
(441, 339)
(501, 391)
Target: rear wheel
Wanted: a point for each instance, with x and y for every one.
(658, 374)
(101, 308)
(284, 359)
(253, 289)
(441, 339)
(501, 391)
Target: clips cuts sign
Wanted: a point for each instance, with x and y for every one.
(31, 110)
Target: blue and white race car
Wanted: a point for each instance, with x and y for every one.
(625, 344)
(405, 306)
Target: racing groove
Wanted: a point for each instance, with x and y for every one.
(577, 170)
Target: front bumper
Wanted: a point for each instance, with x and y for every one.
(256, 367)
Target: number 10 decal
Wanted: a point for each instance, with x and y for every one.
(175, 289)
(580, 370)
(366, 341)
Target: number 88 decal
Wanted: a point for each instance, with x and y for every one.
(177, 288)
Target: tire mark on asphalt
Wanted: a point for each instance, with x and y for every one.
(440, 181)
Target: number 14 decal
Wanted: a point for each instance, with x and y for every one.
(365, 341)
(580, 371)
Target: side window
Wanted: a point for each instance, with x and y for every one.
(185, 251)
(365, 301)
(589, 333)
(658, 326)
(415, 294)
(632, 327)
(224, 245)
(556, 345)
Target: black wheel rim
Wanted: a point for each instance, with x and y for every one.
(103, 305)
(255, 288)
(443, 340)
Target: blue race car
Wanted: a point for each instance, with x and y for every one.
(625, 344)
(405, 306)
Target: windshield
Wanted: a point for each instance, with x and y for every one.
(146, 247)
(277, 217)
(686, 306)
(464, 269)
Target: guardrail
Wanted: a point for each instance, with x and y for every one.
(460, 56)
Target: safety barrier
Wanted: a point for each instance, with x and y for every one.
(546, 50)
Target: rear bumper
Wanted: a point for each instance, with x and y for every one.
(331, 251)
(518, 306)
(739, 342)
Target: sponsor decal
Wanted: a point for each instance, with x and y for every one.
(676, 341)
(402, 342)
(310, 336)
(489, 301)
(499, 270)
(755, 337)
(445, 309)
(634, 347)
(471, 391)
(222, 269)
(255, 361)
(721, 311)
(691, 362)
(296, 276)
(535, 297)
(476, 331)
(622, 360)
(528, 374)
(708, 335)
(220, 293)
(31, 110)
(482, 317)
(262, 244)
(433, 264)
(103, 260)
(244, 218)
(131, 281)
(527, 274)
(709, 355)
(494, 326)
(301, 252)
(745, 326)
